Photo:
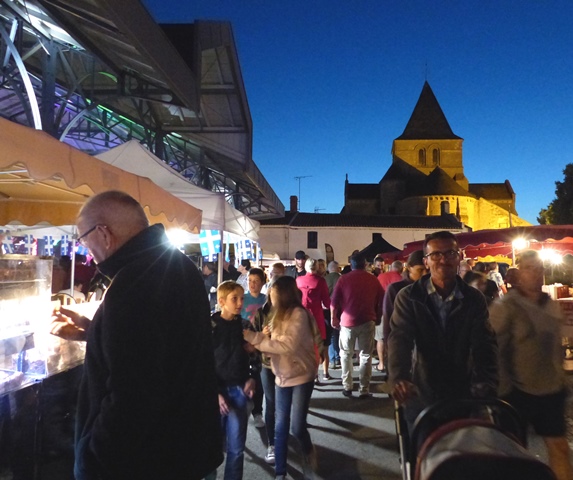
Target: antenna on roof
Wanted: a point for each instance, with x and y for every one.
(299, 179)
(316, 209)
(426, 71)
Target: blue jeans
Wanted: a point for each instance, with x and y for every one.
(235, 431)
(296, 399)
(268, 382)
(334, 347)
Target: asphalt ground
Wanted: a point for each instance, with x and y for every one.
(355, 438)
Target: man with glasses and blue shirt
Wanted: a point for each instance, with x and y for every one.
(441, 344)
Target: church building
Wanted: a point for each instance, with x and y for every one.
(427, 178)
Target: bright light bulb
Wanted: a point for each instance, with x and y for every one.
(520, 244)
(177, 236)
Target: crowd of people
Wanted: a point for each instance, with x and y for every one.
(148, 409)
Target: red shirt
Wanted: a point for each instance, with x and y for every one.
(358, 298)
(387, 278)
(315, 294)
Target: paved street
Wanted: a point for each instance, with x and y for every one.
(355, 439)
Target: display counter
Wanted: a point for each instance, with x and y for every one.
(28, 352)
(39, 374)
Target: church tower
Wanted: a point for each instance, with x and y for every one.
(428, 141)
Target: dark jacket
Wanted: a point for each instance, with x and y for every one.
(233, 365)
(447, 362)
(147, 406)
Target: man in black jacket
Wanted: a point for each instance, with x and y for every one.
(147, 406)
(441, 344)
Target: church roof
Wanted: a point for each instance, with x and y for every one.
(428, 121)
(362, 191)
(300, 219)
(440, 183)
(401, 170)
(492, 191)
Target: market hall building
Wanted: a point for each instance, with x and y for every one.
(92, 76)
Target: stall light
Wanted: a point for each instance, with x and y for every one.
(550, 256)
(177, 236)
(520, 244)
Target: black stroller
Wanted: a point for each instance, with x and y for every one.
(467, 440)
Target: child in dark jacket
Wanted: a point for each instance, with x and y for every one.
(235, 368)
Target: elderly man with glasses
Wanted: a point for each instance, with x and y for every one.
(441, 344)
(147, 404)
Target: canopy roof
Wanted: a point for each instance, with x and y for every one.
(378, 246)
(493, 243)
(45, 180)
(218, 214)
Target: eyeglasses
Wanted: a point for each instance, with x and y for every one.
(448, 255)
(82, 238)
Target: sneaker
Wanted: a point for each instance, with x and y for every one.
(347, 393)
(326, 377)
(335, 364)
(364, 395)
(258, 421)
(270, 456)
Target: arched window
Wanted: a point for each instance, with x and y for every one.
(421, 157)
(435, 156)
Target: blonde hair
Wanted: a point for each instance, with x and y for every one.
(310, 265)
(226, 288)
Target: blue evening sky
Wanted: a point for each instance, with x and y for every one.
(332, 83)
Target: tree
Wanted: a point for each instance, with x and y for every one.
(560, 210)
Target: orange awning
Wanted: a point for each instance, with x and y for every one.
(45, 180)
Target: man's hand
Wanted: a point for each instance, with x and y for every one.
(403, 390)
(223, 407)
(69, 325)
(249, 387)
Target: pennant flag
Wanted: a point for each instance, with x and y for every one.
(65, 246)
(30, 243)
(48, 245)
(244, 250)
(7, 246)
(210, 241)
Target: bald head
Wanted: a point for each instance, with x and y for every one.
(119, 216)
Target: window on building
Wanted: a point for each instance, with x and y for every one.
(435, 156)
(312, 240)
(421, 157)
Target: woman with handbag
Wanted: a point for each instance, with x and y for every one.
(294, 360)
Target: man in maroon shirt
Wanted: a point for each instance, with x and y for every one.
(356, 308)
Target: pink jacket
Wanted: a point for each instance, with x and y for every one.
(291, 350)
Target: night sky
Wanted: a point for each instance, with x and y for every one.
(331, 84)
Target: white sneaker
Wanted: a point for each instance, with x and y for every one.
(258, 421)
(270, 456)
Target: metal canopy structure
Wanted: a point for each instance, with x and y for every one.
(98, 73)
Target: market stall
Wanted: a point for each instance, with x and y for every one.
(43, 183)
(503, 244)
(219, 216)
